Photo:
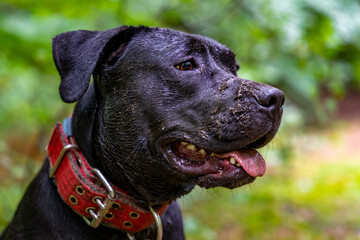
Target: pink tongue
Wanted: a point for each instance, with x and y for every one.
(249, 159)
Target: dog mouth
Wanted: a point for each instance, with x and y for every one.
(228, 169)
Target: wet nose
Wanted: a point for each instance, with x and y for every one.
(271, 98)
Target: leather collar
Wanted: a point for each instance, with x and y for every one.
(87, 192)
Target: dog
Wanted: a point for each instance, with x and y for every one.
(165, 111)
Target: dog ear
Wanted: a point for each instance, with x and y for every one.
(78, 53)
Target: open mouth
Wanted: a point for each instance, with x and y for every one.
(244, 164)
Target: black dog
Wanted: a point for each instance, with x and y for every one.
(166, 111)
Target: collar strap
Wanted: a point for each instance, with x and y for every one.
(88, 192)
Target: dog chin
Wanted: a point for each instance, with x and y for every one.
(230, 183)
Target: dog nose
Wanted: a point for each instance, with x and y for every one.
(272, 98)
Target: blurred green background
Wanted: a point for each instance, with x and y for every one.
(309, 49)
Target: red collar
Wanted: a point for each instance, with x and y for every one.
(88, 193)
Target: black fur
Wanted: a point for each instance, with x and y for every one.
(138, 105)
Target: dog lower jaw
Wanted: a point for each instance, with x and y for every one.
(230, 178)
(229, 170)
(230, 183)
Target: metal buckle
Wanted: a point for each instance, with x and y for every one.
(158, 223)
(104, 206)
(60, 158)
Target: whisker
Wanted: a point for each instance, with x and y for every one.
(138, 147)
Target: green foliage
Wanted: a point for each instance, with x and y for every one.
(10, 197)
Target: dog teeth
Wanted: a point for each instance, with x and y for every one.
(191, 147)
(232, 161)
(202, 152)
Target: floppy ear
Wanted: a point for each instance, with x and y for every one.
(77, 53)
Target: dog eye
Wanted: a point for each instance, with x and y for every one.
(186, 66)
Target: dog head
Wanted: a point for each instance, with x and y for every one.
(166, 110)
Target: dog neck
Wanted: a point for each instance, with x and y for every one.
(83, 122)
(83, 119)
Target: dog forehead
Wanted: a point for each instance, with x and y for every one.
(163, 39)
